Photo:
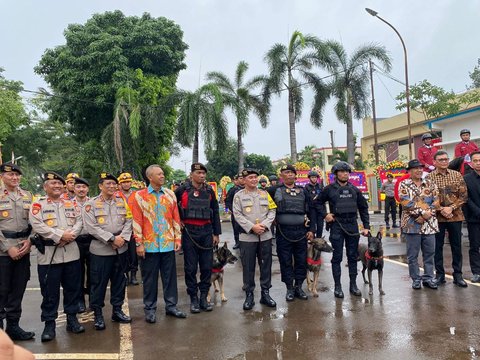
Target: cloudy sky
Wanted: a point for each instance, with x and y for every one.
(441, 37)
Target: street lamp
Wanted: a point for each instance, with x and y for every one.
(407, 89)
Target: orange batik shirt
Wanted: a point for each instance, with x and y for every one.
(156, 221)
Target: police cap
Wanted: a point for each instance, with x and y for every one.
(106, 176)
(80, 180)
(288, 167)
(341, 166)
(9, 167)
(426, 136)
(51, 175)
(198, 166)
(464, 131)
(246, 172)
(124, 177)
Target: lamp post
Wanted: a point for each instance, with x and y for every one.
(407, 89)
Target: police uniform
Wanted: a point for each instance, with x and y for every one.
(105, 219)
(132, 251)
(14, 274)
(83, 241)
(199, 213)
(314, 191)
(250, 208)
(229, 204)
(293, 208)
(59, 265)
(345, 201)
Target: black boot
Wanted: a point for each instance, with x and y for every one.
(290, 296)
(49, 331)
(353, 286)
(338, 292)
(73, 325)
(81, 306)
(119, 316)
(249, 302)
(266, 299)
(133, 278)
(99, 321)
(299, 293)
(16, 332)
(204, 304)
(194, 306)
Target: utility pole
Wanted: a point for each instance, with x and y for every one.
(374, 115)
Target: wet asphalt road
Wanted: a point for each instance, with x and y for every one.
(403, 324)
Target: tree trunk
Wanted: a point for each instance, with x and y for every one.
(240, 148)
(350, 139)
(291, 123)
(195, 148)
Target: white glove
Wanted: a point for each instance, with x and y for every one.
(431, 167)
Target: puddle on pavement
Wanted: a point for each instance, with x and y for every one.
(264, 316)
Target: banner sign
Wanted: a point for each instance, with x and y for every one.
(357, 178)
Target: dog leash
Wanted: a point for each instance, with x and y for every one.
(347, 232)
(288, 239)
(194, 242)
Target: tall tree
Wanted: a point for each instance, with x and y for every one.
(291, 67)
(222, 162)
(201, 112)
(261, 163)
(350, 83)
(239, 96)
(475, 76)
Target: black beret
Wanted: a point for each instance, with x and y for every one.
(198, 166)
(246, 172)
(288, 167)
(9, 167)
(80, 180)
(107, 176)
(51, 175)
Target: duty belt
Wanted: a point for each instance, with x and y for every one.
(17, 234)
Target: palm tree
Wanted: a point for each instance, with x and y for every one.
(350, 84)
(289, 67)
(201, 112)
(238, 95)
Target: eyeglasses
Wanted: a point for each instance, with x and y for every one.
(442, 160)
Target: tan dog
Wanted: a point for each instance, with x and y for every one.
(314, 261)
(221, 257)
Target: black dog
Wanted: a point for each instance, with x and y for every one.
(372, 259)
(221, 257)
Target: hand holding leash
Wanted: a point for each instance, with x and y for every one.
(366, 232)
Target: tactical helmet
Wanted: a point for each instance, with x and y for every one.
(273, 177)
(426, 136)
(341, 166)
(312, 173)
(464, 131)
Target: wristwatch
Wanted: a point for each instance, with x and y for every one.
(111, 239)
(137, 244)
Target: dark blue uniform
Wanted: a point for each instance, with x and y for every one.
(345, 201)
(313, 192)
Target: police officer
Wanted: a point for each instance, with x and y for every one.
(125, 181)
(239, 185)
(314, 188)
(69, 193)
(345, 200)
(109, 220)
(198, 206)
(57, 222)
(271, 190)
(263, 183)
(293, 231)
(14, 250)
(83, 240)
(254, 211)
(273, 180)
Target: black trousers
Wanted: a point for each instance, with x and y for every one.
(474, 250)
(132, 255)
(66, 275)
(292, 254)
(455, 238)
(14, 275)
(236, 230)
(163, 262)
(320, 222)
(338, 238)
(83, 243)
(251, 252)
(390, 208)
(196, 257)
(104, 269)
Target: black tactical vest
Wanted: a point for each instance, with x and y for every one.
(345, 200)
(198, 204)
(290, 201)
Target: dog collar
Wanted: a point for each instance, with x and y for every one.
(310, 261)
(217, 270)
(370, 257)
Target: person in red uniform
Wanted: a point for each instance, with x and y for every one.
(426, 152)
(465, 147)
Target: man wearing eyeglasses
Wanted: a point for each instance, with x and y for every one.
(452, 194)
